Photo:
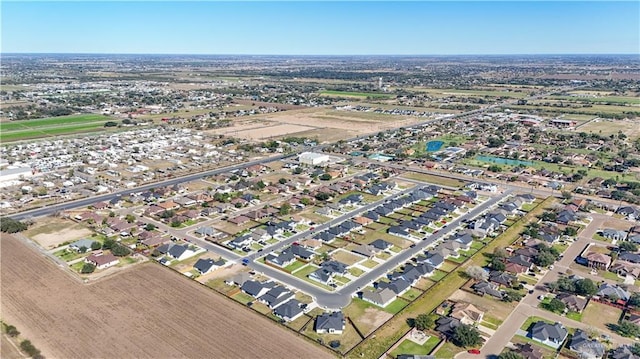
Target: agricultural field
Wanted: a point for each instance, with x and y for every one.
(53, 126)
(53, 310)
(365, 95)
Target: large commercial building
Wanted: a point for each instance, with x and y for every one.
(312, 158)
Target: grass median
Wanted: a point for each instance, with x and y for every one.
(384, 337)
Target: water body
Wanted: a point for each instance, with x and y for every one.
(433, 146)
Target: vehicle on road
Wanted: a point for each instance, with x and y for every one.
(245, 261)
(473, 351)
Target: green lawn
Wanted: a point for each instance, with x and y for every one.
(369, 263)
(243, 298)
(411, 294)
(356, 272)
(356, 94)
(294, 266)
(409, 347)
(575, 316)
(25, 129)
(437, 275)
(396, 306)
(531, 320)
(67, 255)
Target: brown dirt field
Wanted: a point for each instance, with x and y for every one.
(148, 312)
(51, 232)
(8, 350)
(372, 319)
(266, 132)
(619, 224)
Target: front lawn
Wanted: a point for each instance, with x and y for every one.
(294, 266)
(411, 294)
(356, 272)
(369, 263)
(437, 275)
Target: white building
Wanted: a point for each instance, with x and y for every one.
(312, 158)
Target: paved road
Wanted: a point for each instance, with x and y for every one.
(528, 306)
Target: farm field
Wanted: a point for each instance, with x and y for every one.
(323, 123)
(177, 318)
(53, 126)
(355, 94)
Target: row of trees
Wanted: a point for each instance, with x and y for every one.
(9, 225)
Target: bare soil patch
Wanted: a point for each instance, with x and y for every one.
(495, 308)
(148, 312)
(50, 232)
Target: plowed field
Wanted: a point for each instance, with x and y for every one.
(147, 312)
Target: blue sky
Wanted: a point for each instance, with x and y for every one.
(321, 28)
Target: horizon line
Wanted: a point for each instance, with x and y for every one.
(319, 55)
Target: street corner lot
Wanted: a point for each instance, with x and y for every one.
(50, 232)
(492, 307)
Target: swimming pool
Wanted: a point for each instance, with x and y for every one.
(433, 146)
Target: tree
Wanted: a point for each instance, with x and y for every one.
(466, 336)
(495, 168)
(322, 196)
(628, 246)
(9, 225)
(570, 231)
(497, 264)
(83, 249)
(297, 170)
(555, 305)
(150, 227)
(119, 250)
(261, 184)
(423, 322)
(510, 355)
(87, 268)
(544, 259)
(477, 273)
(108, 243)
(511, 295)
(11, 330)
(628, 329)
(325, 177)
(585, 287)
(130, 218)
(500, 252)
(285, 209)
(567, 195)
(634, 299)
(95, 246)
(282, 180)
(28, 348)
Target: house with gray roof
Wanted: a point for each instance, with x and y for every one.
(207, 265)
(380, 297)
(614, 234)
(254, 288)
(276, 296)
(612, 291)
(585, 347)
(82, 243)
(289, 311)
(486, 288)
(552, 335)
(330, 323)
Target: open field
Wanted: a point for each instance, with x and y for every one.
(474, 93)
(598, 315)
(45, 127)
(631, 128)
(355, 94)
(51, 232)
(315, 122)
(146, 312)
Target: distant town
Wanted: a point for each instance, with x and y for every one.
(357, 207)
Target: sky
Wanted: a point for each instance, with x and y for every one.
(321, 28)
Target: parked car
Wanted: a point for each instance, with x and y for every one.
(473, 351)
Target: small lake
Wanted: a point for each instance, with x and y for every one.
(502, 161)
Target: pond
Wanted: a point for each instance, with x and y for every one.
(503, 161)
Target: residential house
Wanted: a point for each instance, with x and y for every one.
(101, 260)
(180, 252)
(330, 323)
(447, 325)
(82, 244)
(552, 335)
(467, 313)
(380, 297)
(289, 311)
(598, 260)
(381, 244)
(283, 259)
(485, 288)
(276, 296)
(327, 270)
(528, 351)
(585, 347)
(502, 279)
(573, 302)
(612, 291)
(238, 279)
(208, 265)
(255, 288)
(240, 242)
(625, 268)
(614, 234)
(623, 352)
